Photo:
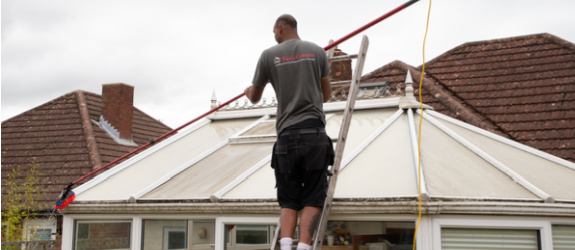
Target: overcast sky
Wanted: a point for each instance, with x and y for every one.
(176, 52)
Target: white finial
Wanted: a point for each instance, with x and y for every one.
(408, 101)
(214, 100)
(408, 84)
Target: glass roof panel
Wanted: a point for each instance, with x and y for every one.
(213, 172)
(260, 184)
(363, 124)
(554, 179)
(383, 169)
(452, 170)
(138, 176)
(263, 128)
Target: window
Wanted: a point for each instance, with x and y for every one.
(563, 237)
(175, 238)
(468, 238)
(40, 229)
(102, 234)
(178, 234)
(252, 237)
(42, 234)
(250, 234)
(370, 234)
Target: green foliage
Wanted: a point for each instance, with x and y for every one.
(19, 201)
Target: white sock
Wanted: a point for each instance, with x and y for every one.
(286, 243)
(303, 246)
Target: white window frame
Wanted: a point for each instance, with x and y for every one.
(128, 220)
(222, 221)
(542, 224)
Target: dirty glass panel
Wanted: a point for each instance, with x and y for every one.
(366, 235)
(263, 128)
(452, 170)
(178, 234)
(164, 161)
(212, 173)
(103, 234)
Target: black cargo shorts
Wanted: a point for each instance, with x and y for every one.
(300, 160)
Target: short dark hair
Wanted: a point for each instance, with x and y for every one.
(287, 20)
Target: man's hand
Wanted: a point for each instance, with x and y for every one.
(247, 92)
(254, 94)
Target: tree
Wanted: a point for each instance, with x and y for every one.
(19, 202)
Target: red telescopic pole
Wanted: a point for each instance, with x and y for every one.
(67, 194)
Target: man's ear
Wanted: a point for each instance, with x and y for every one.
(280, 29)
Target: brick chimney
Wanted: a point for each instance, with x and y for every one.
(117, 108)
(340, 71)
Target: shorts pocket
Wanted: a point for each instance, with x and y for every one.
(281, 161)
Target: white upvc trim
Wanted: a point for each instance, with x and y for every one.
(416, 156)
(136, 241)
(68, 232)
(190, 163)
(140, 156)
(502, 139)
(392, 102)
(491, 160)
(371, 138)
(327, 107)
(242, 113)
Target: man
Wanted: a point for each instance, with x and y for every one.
(298, 71)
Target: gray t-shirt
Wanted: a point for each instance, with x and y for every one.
(294, 68)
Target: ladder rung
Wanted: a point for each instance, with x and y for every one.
(340, 83)
(342, 58)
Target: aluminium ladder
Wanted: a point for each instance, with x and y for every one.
(341, 140)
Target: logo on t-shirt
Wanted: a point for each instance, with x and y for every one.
(293, 59)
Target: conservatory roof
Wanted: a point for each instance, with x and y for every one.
(226, 157)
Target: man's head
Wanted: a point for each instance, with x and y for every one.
(285, 28)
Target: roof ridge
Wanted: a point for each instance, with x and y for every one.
(560, 41)
(88, 130)
(505, 39)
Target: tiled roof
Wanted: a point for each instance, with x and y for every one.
(521, 87)
(63, 139)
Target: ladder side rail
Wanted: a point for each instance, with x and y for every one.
(320, 230)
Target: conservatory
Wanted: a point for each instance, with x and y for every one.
(211, 186)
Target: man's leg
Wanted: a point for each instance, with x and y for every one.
(308, 224)
(288, 221)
